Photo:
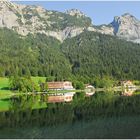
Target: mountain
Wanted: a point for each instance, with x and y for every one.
(35, 19)
(66, 46)
(126, 27)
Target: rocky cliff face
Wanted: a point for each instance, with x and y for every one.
(126, 27)
(75, 12)
(34, 19)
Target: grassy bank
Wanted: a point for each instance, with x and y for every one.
(4, 86)
(5, 93)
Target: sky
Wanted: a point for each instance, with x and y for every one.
(101, 12)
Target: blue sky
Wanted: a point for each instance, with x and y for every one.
(101, 12)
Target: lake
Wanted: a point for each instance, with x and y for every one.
(102, 115)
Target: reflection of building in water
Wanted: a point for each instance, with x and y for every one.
(128, 92)
(129, 88)
(89, 90)
(66, 85)
(127, 84)
(60, 97)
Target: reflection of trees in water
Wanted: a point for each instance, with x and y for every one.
(21, 103)
(25, 102)
(21, 112)
(21, 109)
(99, 105)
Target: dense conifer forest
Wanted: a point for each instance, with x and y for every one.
(86, 57)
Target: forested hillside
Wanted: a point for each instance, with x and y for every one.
(86, 56)
(33, 55)
(92, 54)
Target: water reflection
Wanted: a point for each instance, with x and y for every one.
(67, 97)
(128, 91)
(90, 93)
(26, 102)
(81, 109)
(89, 90)
(60, 97)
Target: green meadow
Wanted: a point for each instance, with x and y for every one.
(4, 82)
(4, 88)
(6, 93)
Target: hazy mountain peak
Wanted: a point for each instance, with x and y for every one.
(127, 15)
(127, 27)
(75, 12)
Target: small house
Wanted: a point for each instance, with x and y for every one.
(66, 85)
(127, 84)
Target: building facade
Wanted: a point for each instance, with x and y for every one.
(66, 85)
(127, 84)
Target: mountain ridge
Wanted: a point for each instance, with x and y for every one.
(26, 19)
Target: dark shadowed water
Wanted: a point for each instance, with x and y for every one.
(124, 127)
(104, 115)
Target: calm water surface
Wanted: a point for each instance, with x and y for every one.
(103, 115)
